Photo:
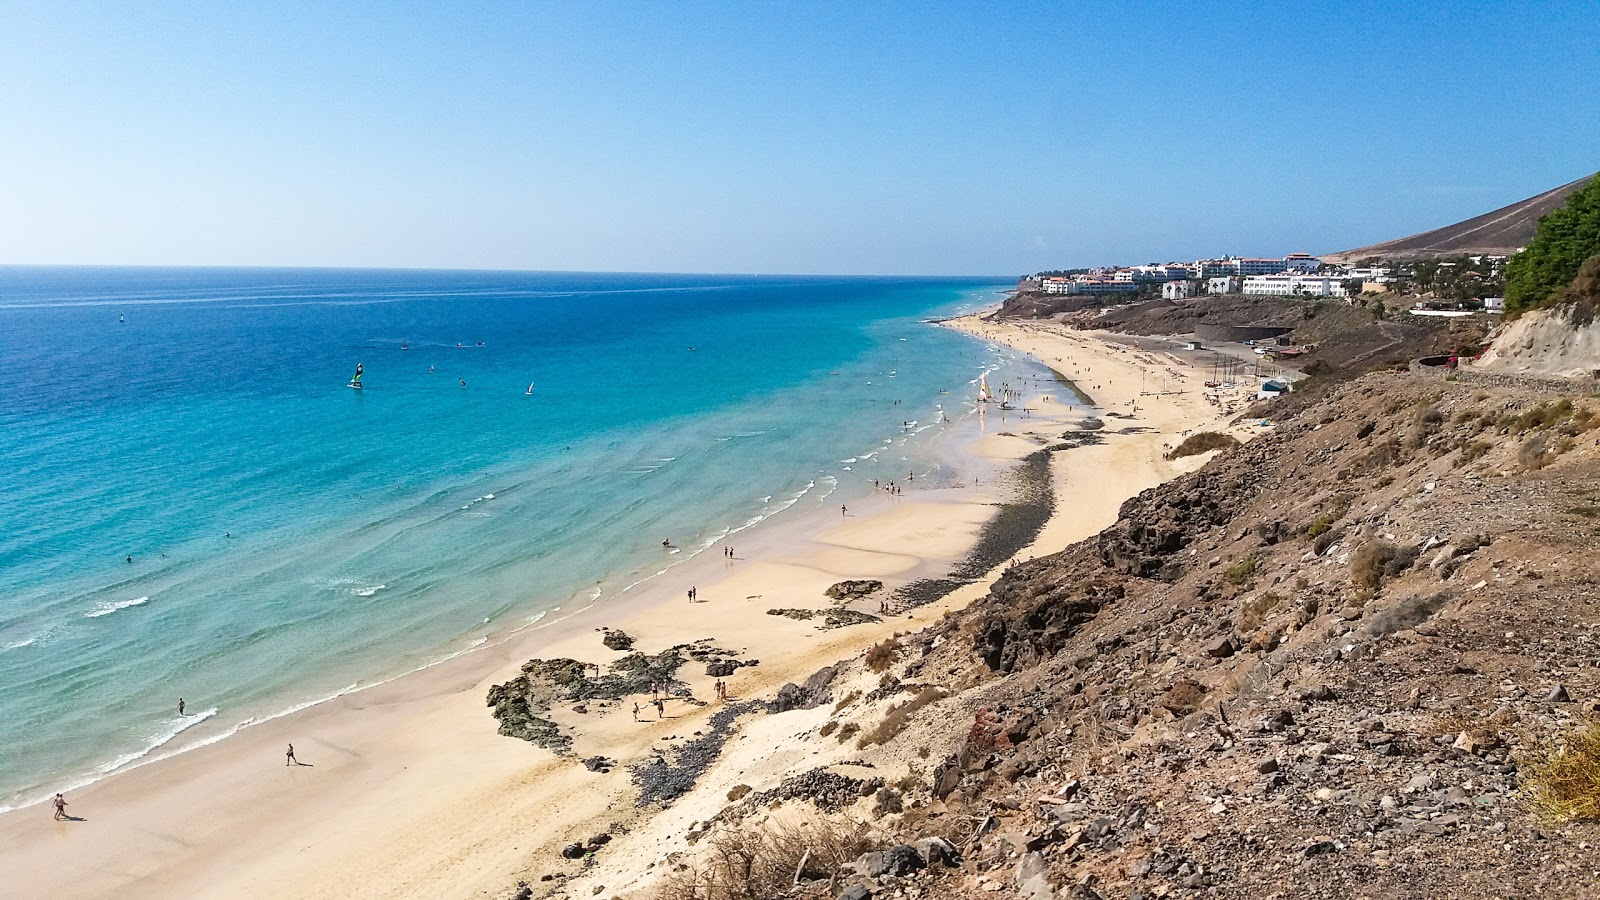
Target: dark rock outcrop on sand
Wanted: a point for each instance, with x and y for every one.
(1016, 524)
(523, 704)
(810, 695)
(846, 591)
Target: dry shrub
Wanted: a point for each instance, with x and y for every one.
(1376, 560)
(1384, 456)
(848, 699)
(828, 727)
(1542, 416)
(883, 655)
(761, 863)
(897, 718)
(1473, 450)
(1562, 776)
(1426, 422)
(1540, 451)
(1241, 572)
(849, 731)
(1203, 442)
(1255, 610)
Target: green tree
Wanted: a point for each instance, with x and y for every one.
(1564, 239)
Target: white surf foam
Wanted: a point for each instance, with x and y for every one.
(170, 729)
(111, 606)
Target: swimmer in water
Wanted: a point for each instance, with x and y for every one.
(463, 381)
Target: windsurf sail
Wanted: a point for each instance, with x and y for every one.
(530, 387)
(356, 378)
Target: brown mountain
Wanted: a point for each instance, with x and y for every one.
(1502, 232)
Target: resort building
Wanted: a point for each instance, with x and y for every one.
(1301, 262)
(1294, 286)
(1249, 265)
(1101, 286)
(1379, 274)
(1223, 284)
(1177, 290)
(1169, 272)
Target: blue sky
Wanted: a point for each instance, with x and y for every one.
(917, 138)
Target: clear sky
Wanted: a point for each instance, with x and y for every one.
(916, 138)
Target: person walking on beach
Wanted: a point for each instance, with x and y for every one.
(843, 510)
(180, 706)
(60, 803)
(288, 757)
(661, 708)
(636, 712)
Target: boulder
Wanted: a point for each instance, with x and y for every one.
(810, 695)
(937, 851)
(1033, 882)
(899, 860)
(854, 589)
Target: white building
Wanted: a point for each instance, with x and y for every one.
(1168, 272)
(1100, 286)
(1376, 274)
(1177, 290)
(1223, 284)
(1294, 286)
(1250, 265)
(1494, 304)
(1301, 262)
(1054, 285)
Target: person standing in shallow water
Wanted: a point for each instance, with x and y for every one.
(180, 706)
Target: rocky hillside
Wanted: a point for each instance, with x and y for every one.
(1502, 232)
(1332, 663)
(1344, 338)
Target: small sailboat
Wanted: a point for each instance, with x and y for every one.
(355, 380)
(983, 388)
(530, 389)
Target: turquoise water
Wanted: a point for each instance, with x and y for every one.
(291, 537)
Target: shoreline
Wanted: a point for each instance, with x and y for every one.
(395, 765)
(620, 590)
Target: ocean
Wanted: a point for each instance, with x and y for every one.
(194, 503)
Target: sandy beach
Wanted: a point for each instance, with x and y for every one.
(407, 789)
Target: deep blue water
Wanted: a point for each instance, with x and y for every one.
(291, 536)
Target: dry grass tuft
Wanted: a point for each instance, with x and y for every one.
(765, 862)
(897, 718)
(1241, 572)
(1376, 560)
(1255, 610)
(1561, 776)
(883, 655)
